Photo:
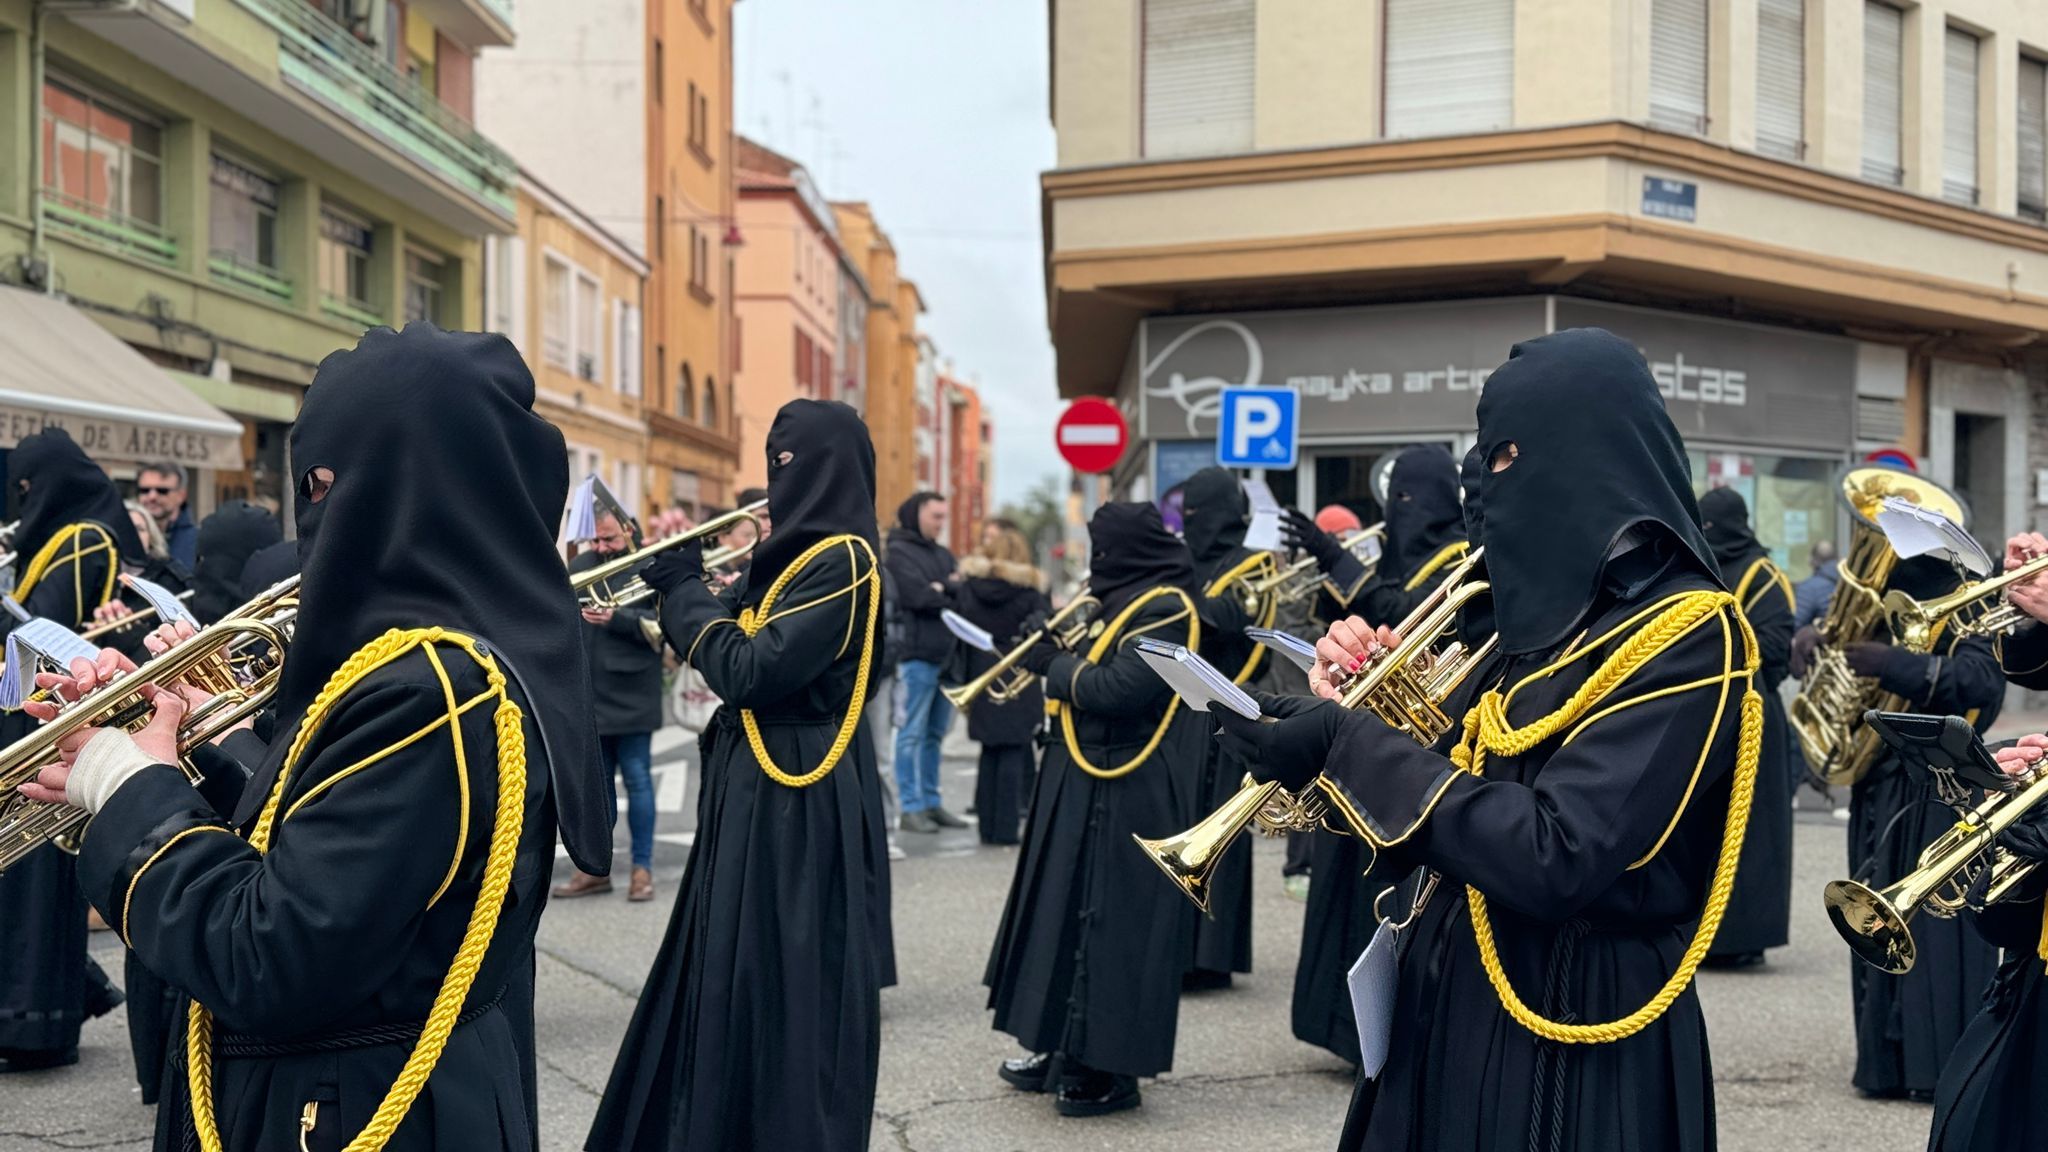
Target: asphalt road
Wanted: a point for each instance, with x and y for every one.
(1781, 1040)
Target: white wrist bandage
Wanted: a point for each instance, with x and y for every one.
(104, 764)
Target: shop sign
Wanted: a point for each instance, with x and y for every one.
(107, 439)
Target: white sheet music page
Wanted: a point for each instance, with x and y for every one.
(968, 632)
(1194, 679)
(1299, 652)
(1916, 531)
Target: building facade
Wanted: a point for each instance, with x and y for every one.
(569, 294)
(893, 356)
(624, 107)
(968, 440)
(792, 280)
(234, 189)
(1820, 219)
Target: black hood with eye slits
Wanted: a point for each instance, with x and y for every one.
(65, 487)
(827, 489)
(1423, 513)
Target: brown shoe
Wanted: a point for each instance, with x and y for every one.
(642, 888)
(583, 884)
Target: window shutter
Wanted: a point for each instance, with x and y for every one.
(1884, 31)
(1959, 118)
(1450, 66)
(615, 318)
(1199, 63)
(2033, 151)
(1781, 78)
(629, 349)
(1678, 65)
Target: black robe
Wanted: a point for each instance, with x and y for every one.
(1553, 838)
(760, 1023)
(349, 923)
(42, 918)
(1089, 954)
(1223, 938)
(1906, 1025)
(1760, 912)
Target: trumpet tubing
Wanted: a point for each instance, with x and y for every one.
(1915, 624)
(592, 586)
(1004, 681)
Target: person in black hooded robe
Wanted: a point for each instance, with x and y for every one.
(72, 539)
(1760, 912)
(1906, 1025)
(759, 1026)
(1215, 515)
(1425, 535)
(1087, 962)
(268, 566)
(319, 923)
(235, 532)
(1582, 828)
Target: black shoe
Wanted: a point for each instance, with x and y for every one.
(945, 819)
(1203, 980)
(36, 1061)
(917, 822)
(1029, 1073)
(1096, 1094)
(1734, 960)
(101, 997)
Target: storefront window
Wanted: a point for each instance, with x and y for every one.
(1792, 500)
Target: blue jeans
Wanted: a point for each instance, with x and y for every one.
(631, 754)
(920, 727)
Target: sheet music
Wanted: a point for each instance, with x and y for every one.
(1197, 681)
(968, 632)
(581, 521)
(36, 646)
(1299, 652)
(170, 607)
(1916, 531)
(1263, 534)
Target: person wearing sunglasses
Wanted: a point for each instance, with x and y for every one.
(161, 489)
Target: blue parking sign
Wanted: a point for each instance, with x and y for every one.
(1259, 428)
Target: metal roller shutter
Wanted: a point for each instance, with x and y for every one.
(1959, 117)
(1884, 29)
(1199, 62)
(1781, 78)
(1450, 66)
(2033, 152)
(1678, 65)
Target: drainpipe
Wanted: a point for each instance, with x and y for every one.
(37, 46)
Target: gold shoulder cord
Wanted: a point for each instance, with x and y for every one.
(1260, 562)
(506, 826)
(70, 536)
(1101, 648)
(752, 620)
(1777, 579)
(1487, 730)
(1449, 552)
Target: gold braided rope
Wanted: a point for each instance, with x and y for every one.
(1263, 564)
(39, 565)
(752, 620)
(1487, 730)
(1101, 647)
(506, 827)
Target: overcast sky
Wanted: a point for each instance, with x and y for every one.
(939, 120)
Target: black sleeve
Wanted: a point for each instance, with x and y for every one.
(913, 589)
(1341, 586)
(1769, 609)
(282, 942)
(1967, 679)
(2024, 655)
(1603, 802)
(224, 769)
(628, 621)
(1123, 682)
(820, 616)
(1383, 602)
(1223, 615)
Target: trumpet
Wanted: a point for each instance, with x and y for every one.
(1877, 925)
(1404, 686)
(239, 660)
(1915, 623)
(1300, 579)
(592, 586)
(1004, 681)
(119, 622)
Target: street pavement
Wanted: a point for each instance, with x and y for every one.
(1781, 1040)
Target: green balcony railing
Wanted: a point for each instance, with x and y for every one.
(107, 229)
(502, 7)
(323, 60)
(230, 268)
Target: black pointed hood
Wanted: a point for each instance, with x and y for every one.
(826, 489)
(65, 487)
(1423, 511)
(1129, 551)
(1597, 457)
(1724, 520)
(236, 531)
(1215, 514)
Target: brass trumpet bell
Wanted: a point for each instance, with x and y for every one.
(1190, 858)
(593, 590)
(1872, 925)
(1004, 681)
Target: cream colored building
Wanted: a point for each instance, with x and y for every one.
(1821, 220)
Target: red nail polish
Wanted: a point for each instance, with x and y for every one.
(1357, 663)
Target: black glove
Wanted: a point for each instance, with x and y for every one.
(1288, 752)
(675, 567)
(1298, 529)
(1283, 706)
(1039, 657)
(1036, 622)
(1803, 643)
(1908, 674)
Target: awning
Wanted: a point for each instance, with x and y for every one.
(58, 367)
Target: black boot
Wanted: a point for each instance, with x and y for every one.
(1088, 1092)
(1029, 1073)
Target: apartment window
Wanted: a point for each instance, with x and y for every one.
(686, 394)
(1884, 36)
(1678, 65)
(423, 285)
(1198, 72)
(346, 241)
(1781, 78)
(505, 272)
(392, 45)
(805, 386)
(659, 70)
(557, 309)
(2033, 128)
(628, 361)
(710, 402)
(242, 217)
(1450, 66)
(102, 159)
(589, 320)
(1959, 117)
(695, 128)
(660, 228)
(661, 376)
(700, 124)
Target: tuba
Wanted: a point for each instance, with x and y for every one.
(1005, 681)
(1827, 714)
(239, 660)
(1404, 686)
(593, 590)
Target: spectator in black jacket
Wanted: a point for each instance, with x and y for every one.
(1000, 590)
(922, 581)
(625, 698)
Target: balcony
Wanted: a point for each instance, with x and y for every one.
(331, 94)
(476, 23)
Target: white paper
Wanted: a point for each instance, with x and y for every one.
(169, 605)
(1263, 535)
(1197, 681)
(581, 522)
(1916, 531)
(1299, 652)
(1371, 982)
(1368, 549)
(968, 632)
(33, 647)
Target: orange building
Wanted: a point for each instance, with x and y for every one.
(890, 401)
(967, 437)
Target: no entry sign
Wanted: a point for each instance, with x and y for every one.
(1091, 435)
